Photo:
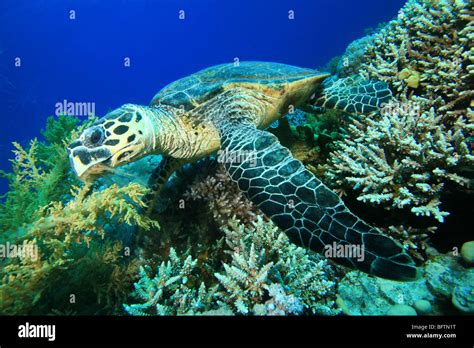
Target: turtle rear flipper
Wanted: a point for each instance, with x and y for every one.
(309, 212)
(354, 94)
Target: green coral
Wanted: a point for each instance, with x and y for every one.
(325, 128)
(40, 174)
(171, 290)
(58, 130)
(71, 244)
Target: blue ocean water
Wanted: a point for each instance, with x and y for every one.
(79, 51)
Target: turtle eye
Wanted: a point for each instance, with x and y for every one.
(94, 136)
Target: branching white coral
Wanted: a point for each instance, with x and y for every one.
(419, 147)
(266, 264)
(401, 161)
(246, 278)
(427, 51)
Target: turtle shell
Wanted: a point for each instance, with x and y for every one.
(193, 90)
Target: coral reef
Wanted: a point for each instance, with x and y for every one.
(266, 275)
(68, 238)
(213, 252)
(401, 161)
(418, 148)
(463, 298)
(432, 39)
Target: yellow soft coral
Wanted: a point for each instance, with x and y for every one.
(81, 214)
(66, 229)
(59, 234)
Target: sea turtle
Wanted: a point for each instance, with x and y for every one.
(226, 108)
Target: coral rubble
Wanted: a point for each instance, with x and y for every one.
(446, 285)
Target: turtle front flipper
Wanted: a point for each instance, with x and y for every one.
(354, 94)
(158, 178)
(309, 212)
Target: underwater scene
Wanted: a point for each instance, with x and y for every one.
(251, 158)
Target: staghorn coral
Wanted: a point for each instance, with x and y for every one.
(433, 39)
(245, 280)
(401, 161)
(262, 257)
(223, 198)
(279, 303)
(171, 290)
(418, 148)
(311, 140)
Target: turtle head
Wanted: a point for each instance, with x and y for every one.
(118, 138)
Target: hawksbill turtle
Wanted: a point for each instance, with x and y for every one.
(227, 108)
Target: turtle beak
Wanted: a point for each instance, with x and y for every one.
(85, 162)
(76, 165)
(72, 163)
